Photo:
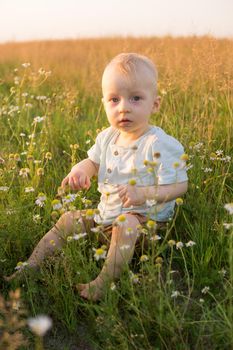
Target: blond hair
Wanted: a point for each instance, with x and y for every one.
(127, 64)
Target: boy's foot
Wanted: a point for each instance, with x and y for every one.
(91, 291)
(12, 277)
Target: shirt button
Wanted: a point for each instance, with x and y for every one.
(116, 153)
(134, 148)
(109, 170)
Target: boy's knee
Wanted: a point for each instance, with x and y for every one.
(67, 223)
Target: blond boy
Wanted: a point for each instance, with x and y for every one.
(134, 162)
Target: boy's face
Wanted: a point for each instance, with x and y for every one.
(129, 100)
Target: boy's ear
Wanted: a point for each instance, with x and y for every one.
(156, 105)
(102, 100)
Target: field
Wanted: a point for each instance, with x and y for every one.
(180, 295)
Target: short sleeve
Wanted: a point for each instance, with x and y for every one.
(95, 151)
(171, 168)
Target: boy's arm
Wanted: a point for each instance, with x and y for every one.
(80, 175)
(135, 195)
(165, 193)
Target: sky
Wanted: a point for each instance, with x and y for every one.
(23, 20)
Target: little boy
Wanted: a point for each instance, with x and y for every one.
(138, 166)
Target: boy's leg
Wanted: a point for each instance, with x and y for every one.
(52, 240)
(120, 252)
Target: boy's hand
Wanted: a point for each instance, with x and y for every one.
(131, 195)
(77, 180)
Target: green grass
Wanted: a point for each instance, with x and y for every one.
(143, 315)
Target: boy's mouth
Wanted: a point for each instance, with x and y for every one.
(124, 121)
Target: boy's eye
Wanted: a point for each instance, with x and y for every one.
(136, 98)
(114, 99)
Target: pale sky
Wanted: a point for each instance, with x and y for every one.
(22, 20)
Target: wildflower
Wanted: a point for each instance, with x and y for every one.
(89, 214)
(24, 172)
(228, 226)
(144, 258)
(150, 170)
(229, 208)
(190, 244)
(36, 218)
(121, 220)
(159, 260)
(48, 155)
(179, 201)
(129, 231)
(171, 242)
(56, 204)
(38, 119)
(146, 162)
(54, 215)
(60, 191)
(26, 65)
(21, 265)
(201, 300)
(4, 188)
(113, 286)
(40, 324)
(97, 229)
(69, 198)
(151, 224)
(76, 237)
(40, 201)
(17, 157)
(208, 170)
(179, 245)
(52, 242)
(151, 202)
(184, 157)
(213, 156)
(69, 239)
(219, 152)
(29, 189)
(155, 238)
(40, 172)
(100, 253)
(134, 278)
(176, 165)
(124, 247)
(175, 294)
(205, 290)
(132, 182)
(87, 202)
(30, 157)
(222, 272)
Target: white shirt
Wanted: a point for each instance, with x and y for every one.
(117, 166)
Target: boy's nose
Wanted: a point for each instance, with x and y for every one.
(124, 107)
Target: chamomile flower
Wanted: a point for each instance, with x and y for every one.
(121, 220)
(190, 244)
(90, 214)
(40, 324)
(151, 224)
(229, 208)
(4, 188)
(144, 258)
(56, 204)
(175, 294)
(76, 237)
(24, 172)
(125, 247)
(40, 201)
(205, 290)
(134, 278)
(100, 253)
(179, 245)
(21, 265)
(179, 201)
(29, 189)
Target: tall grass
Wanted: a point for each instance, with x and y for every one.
(181, 296)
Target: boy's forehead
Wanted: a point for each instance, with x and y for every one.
(114, 75)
